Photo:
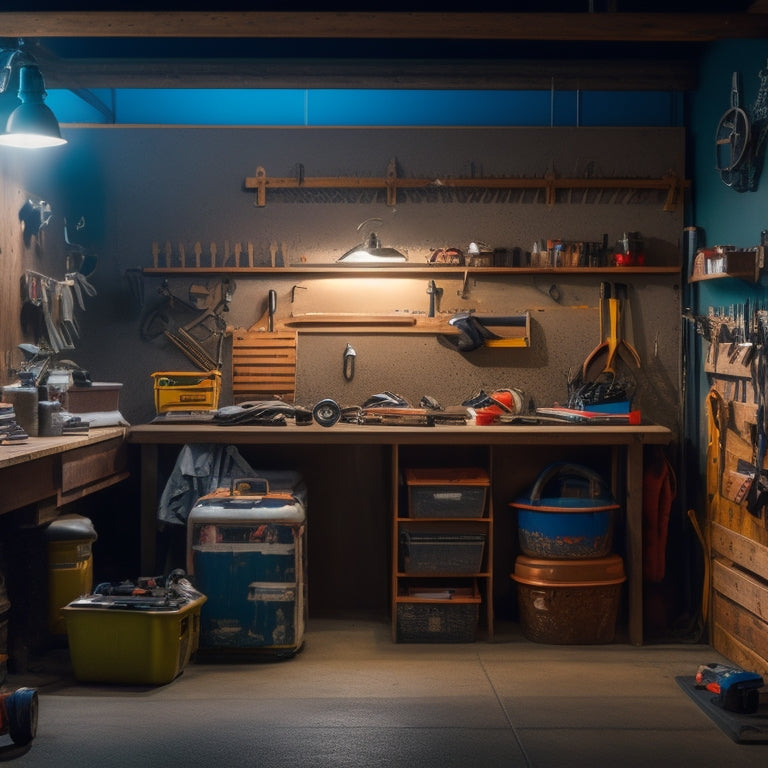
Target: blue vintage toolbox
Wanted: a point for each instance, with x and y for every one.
(247, 553)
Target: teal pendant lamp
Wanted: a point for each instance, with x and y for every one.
(31, 124)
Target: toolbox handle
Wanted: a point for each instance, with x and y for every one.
(249, 486)
(598, 486)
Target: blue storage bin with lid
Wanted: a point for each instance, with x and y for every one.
(568, 514)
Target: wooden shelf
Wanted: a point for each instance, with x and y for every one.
(408, 270)
(734, 263)
(439, 575)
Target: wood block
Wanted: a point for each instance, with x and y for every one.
(263, 366)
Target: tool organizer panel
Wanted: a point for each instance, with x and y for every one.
(735, 589)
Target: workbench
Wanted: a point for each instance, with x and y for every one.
(623, 443)
(44, 473)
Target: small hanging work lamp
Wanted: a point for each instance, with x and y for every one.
(31, 124)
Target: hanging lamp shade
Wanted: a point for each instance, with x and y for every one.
(32, 124)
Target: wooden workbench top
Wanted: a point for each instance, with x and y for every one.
(358, 434)
(38, 447)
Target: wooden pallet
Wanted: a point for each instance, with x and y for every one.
(263, 365)
(737, 588)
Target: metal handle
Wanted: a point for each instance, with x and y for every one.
(566, 469)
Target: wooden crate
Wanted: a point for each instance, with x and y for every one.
(263, 365)
(739, 609)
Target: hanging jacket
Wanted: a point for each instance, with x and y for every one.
(200, 468)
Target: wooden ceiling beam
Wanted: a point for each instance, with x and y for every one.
(585, 26)
(643, 75)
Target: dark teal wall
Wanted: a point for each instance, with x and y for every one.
(725, 217)
(728, 217)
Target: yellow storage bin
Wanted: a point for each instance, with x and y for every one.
(186, 390)
(134, 640)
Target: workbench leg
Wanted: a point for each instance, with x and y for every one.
(634, 540)
(148, 511)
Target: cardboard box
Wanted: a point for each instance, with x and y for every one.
(100, 396)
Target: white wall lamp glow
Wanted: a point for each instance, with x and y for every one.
(31, 124)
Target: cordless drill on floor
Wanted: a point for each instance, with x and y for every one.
(736, 689)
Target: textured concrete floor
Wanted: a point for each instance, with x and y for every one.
(353, 698)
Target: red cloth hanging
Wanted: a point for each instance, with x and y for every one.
(659, 491)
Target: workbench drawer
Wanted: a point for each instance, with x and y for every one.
(92, 467)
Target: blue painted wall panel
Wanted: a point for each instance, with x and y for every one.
(335, 107)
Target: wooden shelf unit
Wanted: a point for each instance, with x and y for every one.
(401, 580)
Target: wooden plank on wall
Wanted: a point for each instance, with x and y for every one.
(747, 629)
(737, 652)
(735, 517)
(740, 586)
(11, 252)
(744, 552)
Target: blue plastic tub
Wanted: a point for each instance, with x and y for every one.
(567, 515)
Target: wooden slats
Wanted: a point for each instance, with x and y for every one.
(263, 366)
(739, 598)
(743, 551)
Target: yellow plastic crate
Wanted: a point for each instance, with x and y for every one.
(186, 390)
(134, 645)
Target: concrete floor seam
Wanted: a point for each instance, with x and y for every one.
(507, 717)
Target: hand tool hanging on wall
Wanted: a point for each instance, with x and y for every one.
(740, 138)
(434, 294)
(348, 366)
(34, 216)
(189, 329)
(474, 330)
(613, 342)
(587, 389)
(271, 309)
(732, 137)
(31, 317)
(757, 496)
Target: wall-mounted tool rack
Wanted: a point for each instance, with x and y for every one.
(549, 183)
